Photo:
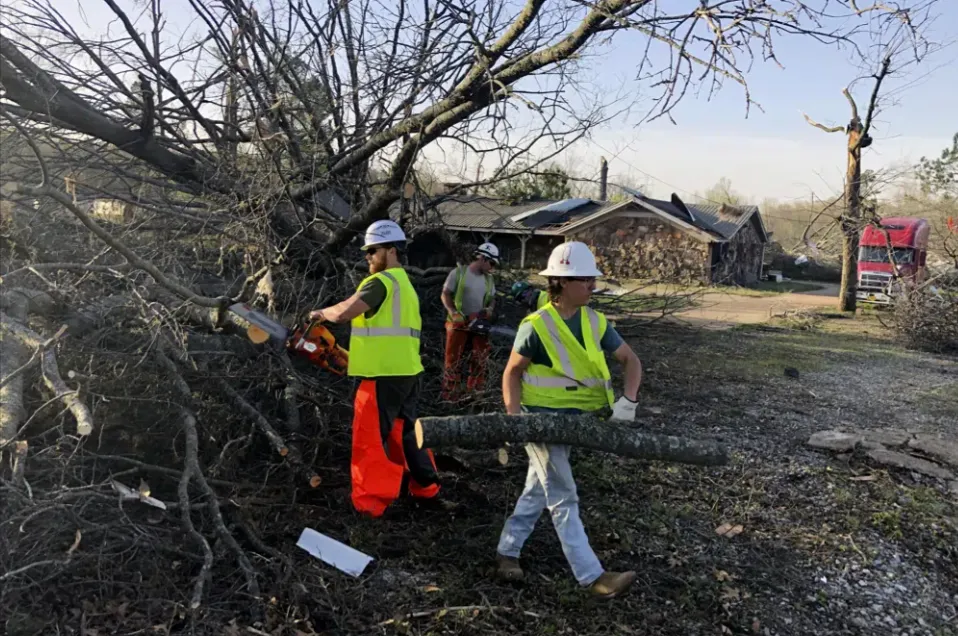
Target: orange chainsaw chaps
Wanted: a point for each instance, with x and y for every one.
(395, 452)
(376, 477)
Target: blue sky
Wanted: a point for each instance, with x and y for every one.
(771, 154)
(775, 153)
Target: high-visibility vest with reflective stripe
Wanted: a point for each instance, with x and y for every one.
(461, 288)
(578, 377)
(542, 300)
(387, 344)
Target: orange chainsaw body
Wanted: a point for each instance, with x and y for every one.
(317, 344)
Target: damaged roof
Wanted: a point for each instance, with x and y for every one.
(476, 212)
(720, 220)
(542, 216)
(725, 225)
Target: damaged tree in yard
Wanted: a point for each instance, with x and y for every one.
(899, 42)
(851, 218)
(153, 177)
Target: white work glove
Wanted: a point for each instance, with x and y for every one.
(624, 410)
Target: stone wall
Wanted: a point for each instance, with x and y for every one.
(538, 249)
(740, 259)
(647, 248)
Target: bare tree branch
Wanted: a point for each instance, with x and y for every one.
(51, 373)
(828, 129)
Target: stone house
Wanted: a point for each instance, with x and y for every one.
(637, 238)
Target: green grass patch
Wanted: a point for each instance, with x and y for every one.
(940, 400)
(756, 352)
(769, 355)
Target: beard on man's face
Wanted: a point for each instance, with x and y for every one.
(377, 262)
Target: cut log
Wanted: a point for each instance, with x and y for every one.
(13, 356)
(51, 372)
(490, 430)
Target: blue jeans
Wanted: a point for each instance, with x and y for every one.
(550, 484)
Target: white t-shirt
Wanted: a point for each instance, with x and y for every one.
(473, 293)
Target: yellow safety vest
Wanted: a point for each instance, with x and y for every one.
(542, 300)
(387, 344)
(578, 377)
(461, 288)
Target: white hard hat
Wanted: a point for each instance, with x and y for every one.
(488, 250)
(384, 231)
(571, 259)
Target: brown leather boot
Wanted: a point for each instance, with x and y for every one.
(509, 569)
(612, 584)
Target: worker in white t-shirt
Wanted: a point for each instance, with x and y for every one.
(469, 293)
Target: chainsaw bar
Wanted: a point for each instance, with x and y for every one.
(312, 340)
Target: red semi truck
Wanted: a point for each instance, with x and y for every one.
(909, 249)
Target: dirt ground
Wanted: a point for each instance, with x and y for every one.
(716, 310)
(828, 545)
(722, 308)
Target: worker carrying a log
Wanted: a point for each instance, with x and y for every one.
(384, 357)
(468, 294)
(558, 365)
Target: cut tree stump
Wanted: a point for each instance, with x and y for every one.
(490, 430)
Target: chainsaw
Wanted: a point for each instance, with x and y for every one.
(311, 340)
(317, 344)
(482, 326)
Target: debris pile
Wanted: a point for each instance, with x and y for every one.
(923, 453)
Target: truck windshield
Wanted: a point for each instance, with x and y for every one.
(903, 255)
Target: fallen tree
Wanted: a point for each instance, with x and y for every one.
(587, 431)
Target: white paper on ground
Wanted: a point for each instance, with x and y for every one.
(338, 555)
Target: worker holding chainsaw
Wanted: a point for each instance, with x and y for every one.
(558, 365)
(384, 357)
(469, 296)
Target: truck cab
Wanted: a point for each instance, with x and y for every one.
(907, 238)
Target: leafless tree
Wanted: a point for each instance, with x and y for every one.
(316, 95)
(904, 46)
(851, 218)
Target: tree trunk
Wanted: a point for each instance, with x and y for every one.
(849, 284)
(588, 431)
(851, 220)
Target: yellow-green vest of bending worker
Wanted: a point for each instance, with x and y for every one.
(578, 377)
(461, 288)
(542, 299)
(387, 343)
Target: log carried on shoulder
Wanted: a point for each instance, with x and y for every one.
(490, 430)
